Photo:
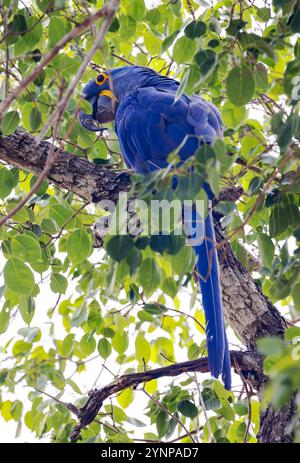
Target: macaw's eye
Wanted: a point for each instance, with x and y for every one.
(101, 78)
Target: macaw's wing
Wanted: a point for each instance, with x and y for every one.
(150, 125)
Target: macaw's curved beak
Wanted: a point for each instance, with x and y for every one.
(88, 122)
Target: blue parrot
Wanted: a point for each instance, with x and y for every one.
(150, 124)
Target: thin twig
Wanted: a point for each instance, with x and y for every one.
(79, 29)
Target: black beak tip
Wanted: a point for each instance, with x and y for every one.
(88, 123)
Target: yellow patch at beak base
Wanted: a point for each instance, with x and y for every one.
(108, 93)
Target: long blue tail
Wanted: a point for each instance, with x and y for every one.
(209, 278)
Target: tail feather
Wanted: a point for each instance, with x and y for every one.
(226, 372)
(209, 278)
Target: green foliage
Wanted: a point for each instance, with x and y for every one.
(134, 305)
(282, 366)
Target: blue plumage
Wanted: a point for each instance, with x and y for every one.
(150, 124)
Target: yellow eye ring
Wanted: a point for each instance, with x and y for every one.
(101, 78)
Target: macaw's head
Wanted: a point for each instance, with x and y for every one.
(106, 91)
(103, 101)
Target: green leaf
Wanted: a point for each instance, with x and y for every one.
(225, 207)
(33, 36)
(7, 182)
(183, 83)
(184, 261)
(294, 20)
(241, 407)
(266, 249)
(253, 41)
(296, 296)
(263, 14)
(206, 61)
(150, 275)
(10, 122)
(162, 423)
(79, 246)
(278, 221)
(271, 346)
(169, 40)
(187, 408)
(26, 248)
(153, 16)
(170, 287)
(154, 309)
(142, 349)
(16, 410)
(126, 397)
(104, 348)
(159, 243)
(58, 283)
(88, 344)
(240, 85)
(188, 186)
(255, 184)
(127, 27)
(261, 77)
(119, 247)
(210, 399)
(152, 43)
(195, 29)
(115, 25)
(233, 116)
(35, 119)
(67, 345)
(120, 342)
(18, 277)
(19, 23)
(56, 30)
(21, 348)
(184, 50)
(136, 9)
(4, 318)
(60, 213)
(27, 308)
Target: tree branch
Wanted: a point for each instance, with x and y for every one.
(249, 363)
(78, 30)
(90, 181)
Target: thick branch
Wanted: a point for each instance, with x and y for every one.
(250, 364)
(89, 181)
(247, 310)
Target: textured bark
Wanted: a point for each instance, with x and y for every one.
(247, 310)
(274, 425)
(249, 363)
(89, 181)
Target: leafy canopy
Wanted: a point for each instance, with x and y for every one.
(67, 308)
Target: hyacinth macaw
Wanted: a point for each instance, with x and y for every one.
(150, 125)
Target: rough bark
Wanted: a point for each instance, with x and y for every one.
(249, 363)
(87, 180)
(247, 310)
(274, 426)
